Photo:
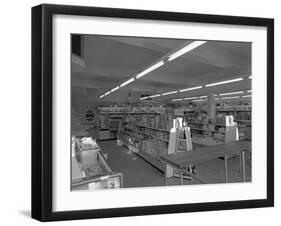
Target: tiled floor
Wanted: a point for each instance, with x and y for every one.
(139, 173)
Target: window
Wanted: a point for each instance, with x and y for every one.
(77, 45)
(89, 115)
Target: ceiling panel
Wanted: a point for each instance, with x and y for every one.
(157, 44)
(111, 60)
(185, 68)
(113, 53)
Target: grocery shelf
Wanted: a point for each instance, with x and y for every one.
(156, 163)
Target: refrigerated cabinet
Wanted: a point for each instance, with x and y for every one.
(90, 169)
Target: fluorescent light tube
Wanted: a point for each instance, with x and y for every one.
(199, 100)
(249, 91)
(101, 96)
(151, 68)
(224, 82)
(250, 77)
(127, 82)
(190, 98)
(188, 89)
(107, 93)
(235, 97)
(185, 49)
(176, 99)
(226, 94)
(173, 92)
(247, 96)
(157, 95)
(203, 97)
(114, 89)
(217, 98)
(143, 98)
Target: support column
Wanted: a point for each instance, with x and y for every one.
(211, 106)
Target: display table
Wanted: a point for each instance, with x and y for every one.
(181, 160)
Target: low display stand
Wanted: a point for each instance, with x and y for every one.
(179, 133)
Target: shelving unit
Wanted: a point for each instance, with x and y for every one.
(242, 115)
(147, 134)
(107, 116)
(107, 125)
(148, 146)
(204, 131)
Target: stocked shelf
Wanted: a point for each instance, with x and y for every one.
(144, 133)
(107, 126)
(144, 148)
(153, 128)
(131, 110)
(207, 130)
(240, 120)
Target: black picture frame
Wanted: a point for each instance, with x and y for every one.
(42, 107)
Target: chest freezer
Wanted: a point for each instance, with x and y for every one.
(89, 167)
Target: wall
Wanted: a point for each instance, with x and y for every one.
(16, 109)
(83, 99)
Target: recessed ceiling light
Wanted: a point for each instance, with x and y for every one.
(127, 82)
(114, 89)
(173, 92)
(199, 100)
(143, 98)
(190, 98)
(235, 97)
(157, 95)
(185, 49)
(107, 93)
(225, 94)
(151, 68)
(224, 82)
(102, 96)
(193, 88)
(176, 99)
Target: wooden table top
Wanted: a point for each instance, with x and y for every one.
(183, 159)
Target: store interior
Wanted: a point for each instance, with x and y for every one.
(159, 112)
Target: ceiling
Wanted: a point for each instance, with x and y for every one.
(109, 61)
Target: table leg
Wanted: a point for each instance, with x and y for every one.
(181, 177)
(226, 170)
(243, 166)
(240, 164)
(165, 176)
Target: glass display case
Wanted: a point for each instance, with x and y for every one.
(89, 167)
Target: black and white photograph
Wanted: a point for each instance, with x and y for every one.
(142, 112)
(151, 112)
